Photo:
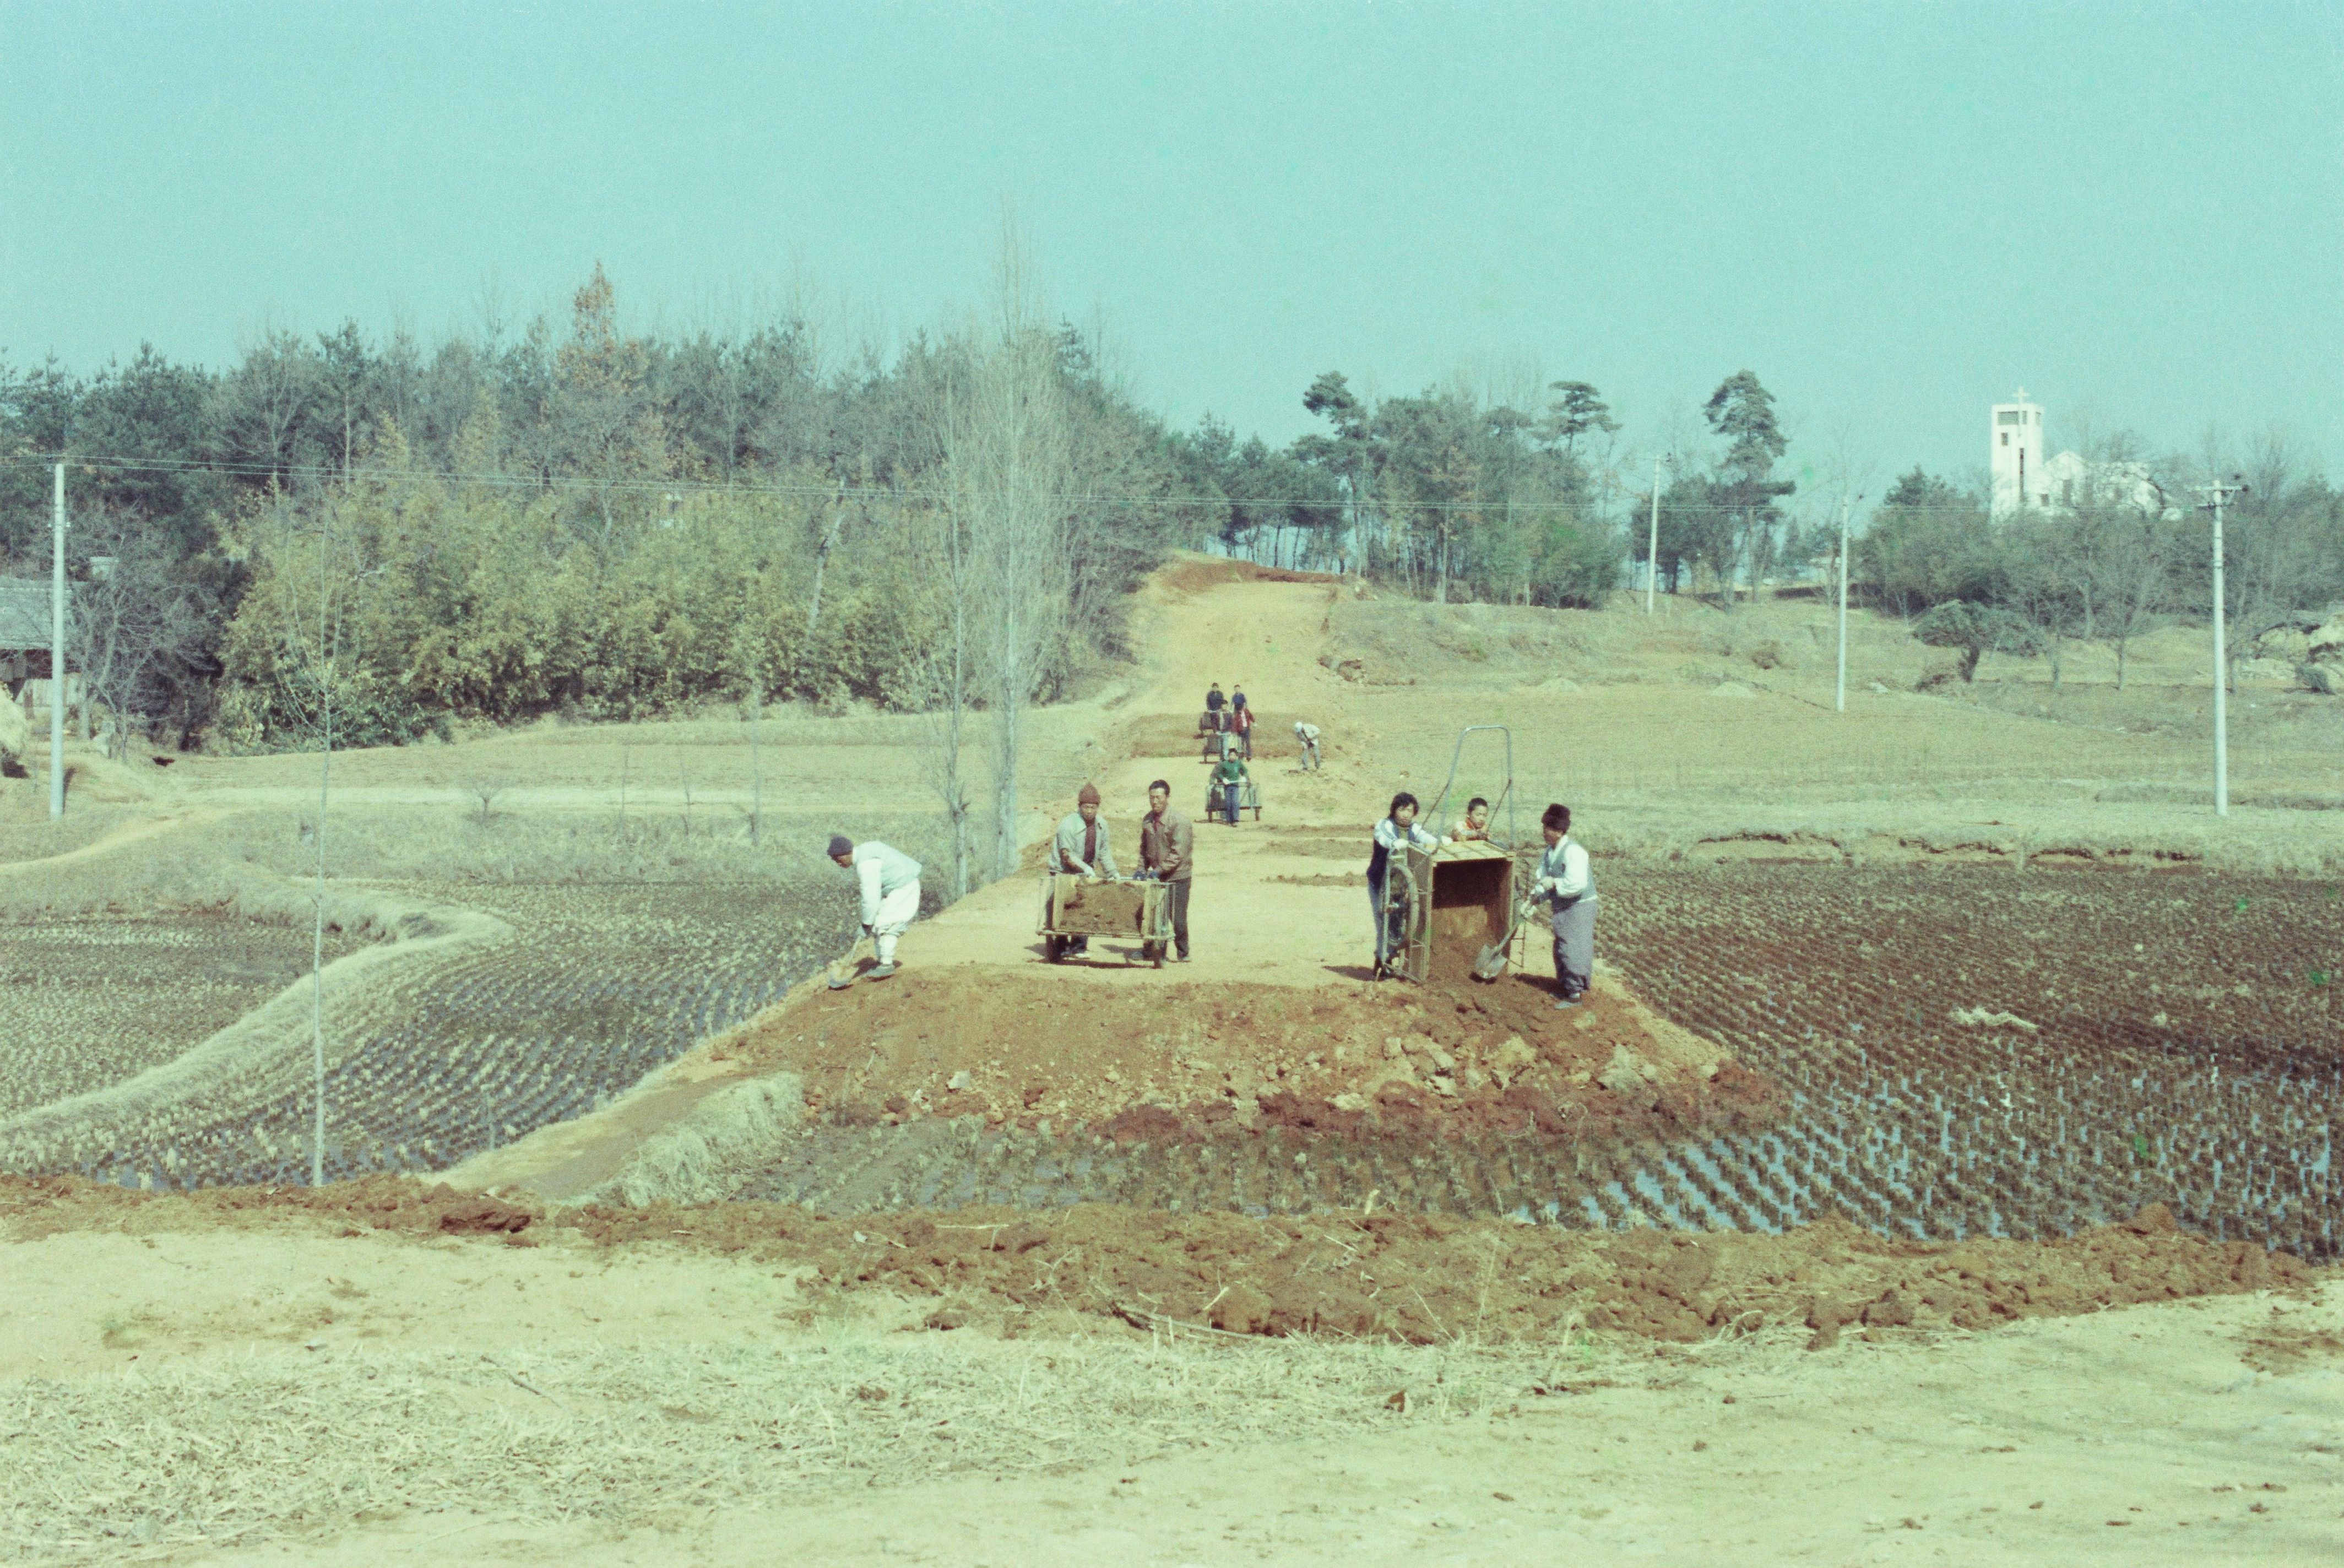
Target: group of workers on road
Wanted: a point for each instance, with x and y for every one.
(889, 880)
(1229, 713)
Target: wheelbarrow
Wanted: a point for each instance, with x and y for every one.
(1076, 906)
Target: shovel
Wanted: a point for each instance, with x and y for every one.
(1491, 962)
(848, 959)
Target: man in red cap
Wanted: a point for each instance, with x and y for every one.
(1081, 847)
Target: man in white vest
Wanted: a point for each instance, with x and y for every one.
(890, 883)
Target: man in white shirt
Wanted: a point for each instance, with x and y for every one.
(890, 883)
(1309, 735)
(1398, 828)
(1567, 885)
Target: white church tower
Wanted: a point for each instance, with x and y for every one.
(2021, 478)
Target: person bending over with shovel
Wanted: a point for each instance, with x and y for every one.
(890, 883)
(1081, 849)
(1567, 884)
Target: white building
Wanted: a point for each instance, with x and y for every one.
(2025, 478)
(2017, 457)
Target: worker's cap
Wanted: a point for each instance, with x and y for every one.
(839, 845)
(1297, 726)
(1087, 795)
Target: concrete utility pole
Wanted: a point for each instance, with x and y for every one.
(1652, 559)
(1845, 504)
(57, 651)
(2220, 491)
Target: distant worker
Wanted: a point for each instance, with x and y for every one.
(1474, 826)
(1215, 703)
(1307, 734)
(1167, 852)
(1398, 828)
(1229, 776)
(1567, 883)
(1236, 699)
(1241, 721)
(890, 882)
(1081, 849)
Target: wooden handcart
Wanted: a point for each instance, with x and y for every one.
(1248, 799)
(1136, 911)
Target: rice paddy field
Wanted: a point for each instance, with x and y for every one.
(587, 989)
(92, 999)
(1962, 1051)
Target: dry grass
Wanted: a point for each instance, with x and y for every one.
(144, 1465)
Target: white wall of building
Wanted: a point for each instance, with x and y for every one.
(2016, 458)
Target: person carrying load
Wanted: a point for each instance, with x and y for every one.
(1081, 849)
(889, 881)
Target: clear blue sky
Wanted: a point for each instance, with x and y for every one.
(1894, 213)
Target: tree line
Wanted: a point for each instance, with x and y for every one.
(566, 518)
(2127, 548)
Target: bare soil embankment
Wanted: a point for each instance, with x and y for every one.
(1411, 1277)
(1031, 1052)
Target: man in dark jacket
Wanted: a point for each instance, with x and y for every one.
(1167, 852)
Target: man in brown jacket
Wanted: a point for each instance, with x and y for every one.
(1168, 843)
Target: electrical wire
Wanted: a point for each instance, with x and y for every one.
(678, 488)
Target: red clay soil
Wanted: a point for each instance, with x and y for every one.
(1412, 1277)
(34, 1207)
(1195, 576)
(1173, 1061)
(1427, 1278)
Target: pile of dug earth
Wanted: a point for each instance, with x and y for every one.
(1459, 1058)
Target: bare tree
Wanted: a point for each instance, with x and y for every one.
(134, 618)
(1009, 482)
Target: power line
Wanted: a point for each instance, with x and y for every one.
(680, 487)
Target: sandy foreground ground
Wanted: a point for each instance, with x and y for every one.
(2211, 1430)
(293, 1391)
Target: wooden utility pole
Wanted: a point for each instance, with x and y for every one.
(1652, 557)
(1845, 504)
(57, 651)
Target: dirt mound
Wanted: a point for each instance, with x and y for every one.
(1196, 573)
(36, 1206)
(1040, 1053)
(1426, 1278)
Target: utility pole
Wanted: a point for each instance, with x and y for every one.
(2220, 491)
(326, 646)
(57, 651)
(1845, 504)
(1652, 555)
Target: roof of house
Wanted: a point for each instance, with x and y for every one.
(23, 612)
